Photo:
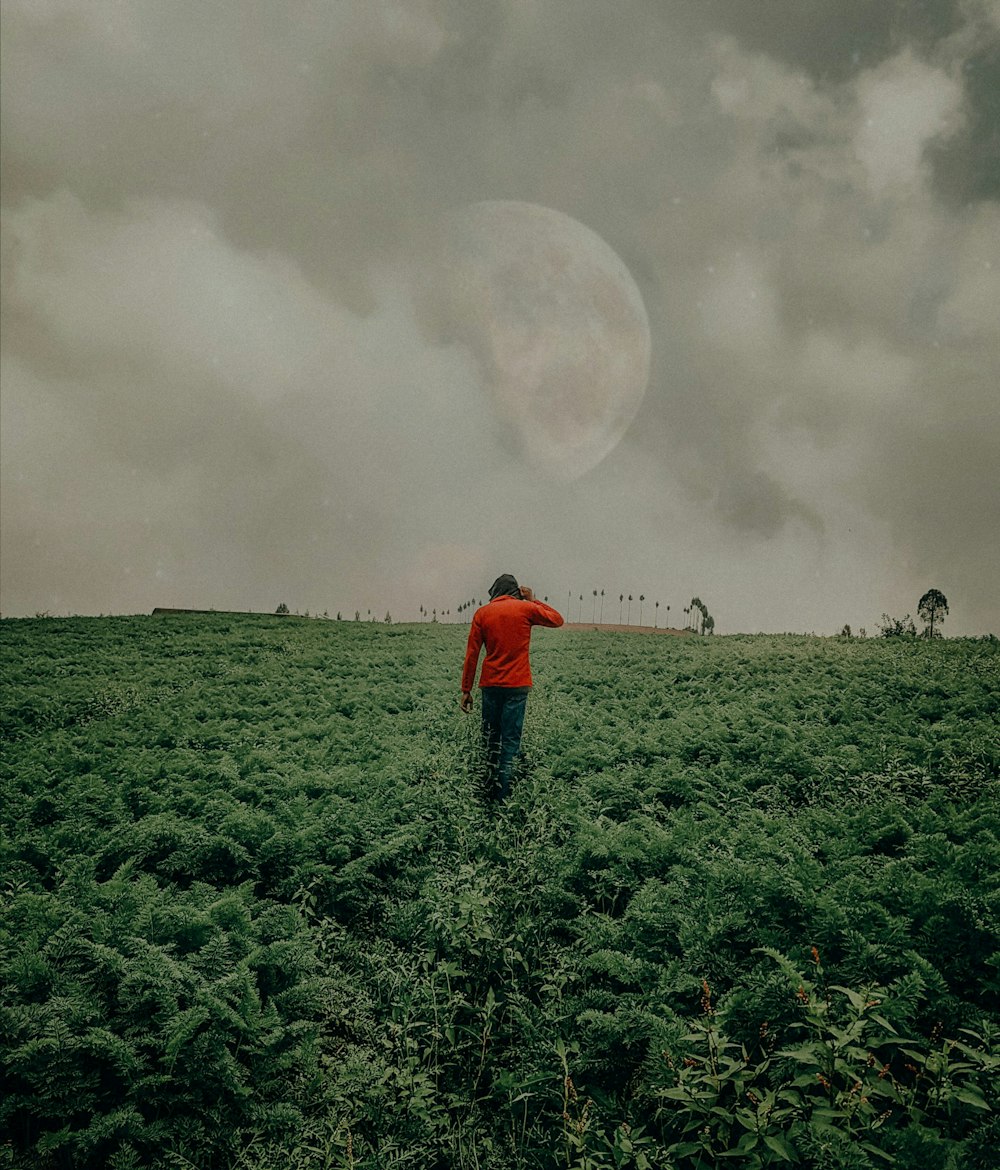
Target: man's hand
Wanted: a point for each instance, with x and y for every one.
(527, 594)
(466, 703)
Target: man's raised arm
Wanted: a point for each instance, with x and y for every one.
(544, 614)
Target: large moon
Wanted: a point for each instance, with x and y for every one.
(558, 326)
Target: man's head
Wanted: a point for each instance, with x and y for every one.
(505, 584)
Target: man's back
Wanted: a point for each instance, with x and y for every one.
(504, 627)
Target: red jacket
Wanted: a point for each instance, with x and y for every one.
(505, 626)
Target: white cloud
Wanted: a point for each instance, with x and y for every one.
(755, 87)
(969, 311)
(405, 30)
(902, 106)
(739, 305)
(159, 285)
(863, 377)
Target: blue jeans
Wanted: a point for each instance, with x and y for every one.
(503, 719)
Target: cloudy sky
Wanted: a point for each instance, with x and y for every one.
(241, 363)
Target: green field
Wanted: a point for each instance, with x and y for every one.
(743, 908)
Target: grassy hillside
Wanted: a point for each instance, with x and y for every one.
(742, 909)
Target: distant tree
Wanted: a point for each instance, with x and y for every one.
(602, 607)
(642, 598)
(621, 599)
(357, 615)
(282, 608)
(388, 618)
(845, 632)
(656, 615)
(434, 615)
(709, 626)
(628, 620)
(339, 616)
(932, 608)
(897, 627)
(594, 616)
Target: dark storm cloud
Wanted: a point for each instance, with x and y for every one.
(968, 167)
(221, 350)
(833, 39)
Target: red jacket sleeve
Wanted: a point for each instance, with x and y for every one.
(545, 615)
(474, 645)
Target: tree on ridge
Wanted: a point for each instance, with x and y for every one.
(931, 608)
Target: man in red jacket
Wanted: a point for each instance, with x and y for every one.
(505, 627)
